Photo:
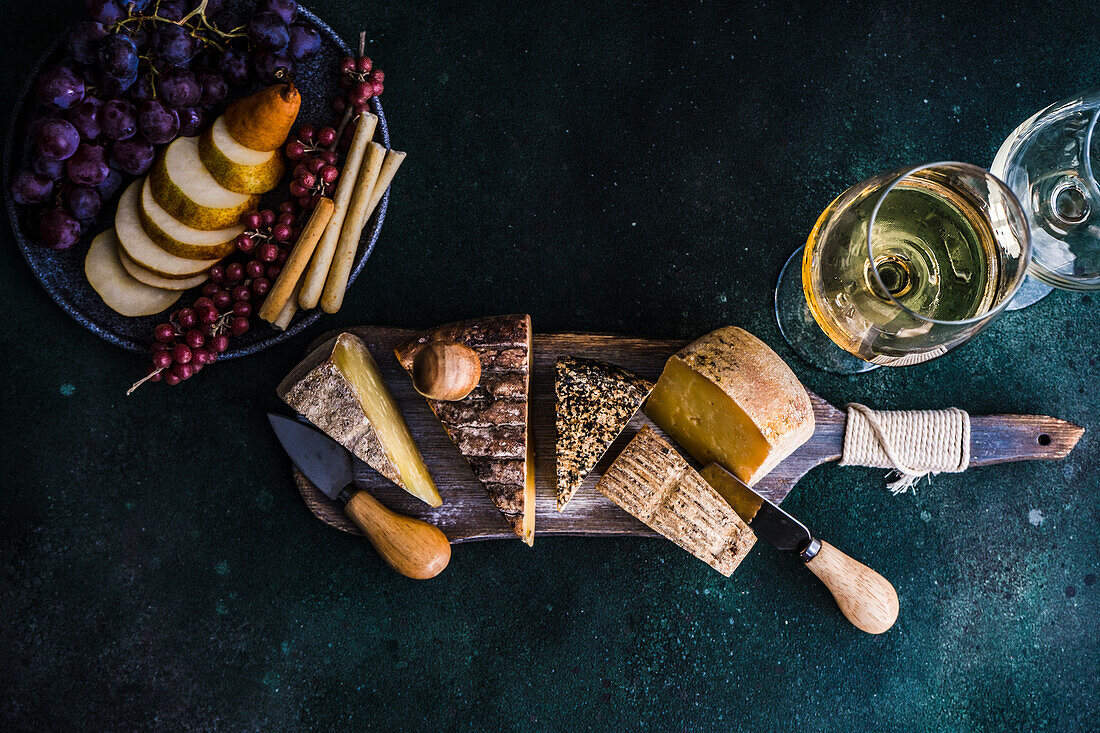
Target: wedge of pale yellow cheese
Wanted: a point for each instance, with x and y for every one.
(727, 398)
(339, 389)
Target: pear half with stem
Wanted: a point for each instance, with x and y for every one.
(177, 238)
(119, 290)
(141, 248)
(237, 167)
(184, 188)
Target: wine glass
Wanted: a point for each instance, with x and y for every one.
(1050, 163)
(903, 267)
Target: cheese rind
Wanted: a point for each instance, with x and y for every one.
(490, 426)
(595, 401)
(727, 398)
(654, 483)
(339, 389)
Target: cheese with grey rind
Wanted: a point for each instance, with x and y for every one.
(657, 486)
(339, 389)
(727, 398)
(594, 403)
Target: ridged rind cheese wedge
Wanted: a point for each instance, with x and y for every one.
(236, 167)
(121, 292)
(140, 247)
(152, 279)
(339, 389)
(490, 426)
(183, 186)
(727, 398)
(176, 238)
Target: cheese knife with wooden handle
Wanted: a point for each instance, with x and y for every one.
(410, 546)
(865, 598)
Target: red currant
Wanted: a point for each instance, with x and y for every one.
(181, 353)
(363, 64)
(238, 325)
(295, 150)
(241, 293)
(222, 299)
(187, 318)
(234, 272)
(162, 359)
(217, 273)
(268, 252)
(260, 286)
(254, 268)
(242, 307)
(164, 333)
(252, 220)
(219, 343)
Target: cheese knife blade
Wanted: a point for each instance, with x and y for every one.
(322, 460)
(865, 598)
(410, 546)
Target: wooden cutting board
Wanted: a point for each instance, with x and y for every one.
(467, 514)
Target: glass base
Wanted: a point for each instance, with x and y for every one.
(1030, 293)
(801, 331)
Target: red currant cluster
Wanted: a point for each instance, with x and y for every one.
(316, 172)
(362, 83)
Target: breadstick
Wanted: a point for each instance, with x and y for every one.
(393, 161)
(326, 248)
(349, 234)
(295, 265)
(337, 284)
(287, 314)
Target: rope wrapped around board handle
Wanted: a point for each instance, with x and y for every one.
(913, 443)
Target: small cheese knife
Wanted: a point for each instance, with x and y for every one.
(413, 548)
(865, 598)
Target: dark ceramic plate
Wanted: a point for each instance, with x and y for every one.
(62, 273)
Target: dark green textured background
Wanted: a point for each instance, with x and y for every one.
(641, 168)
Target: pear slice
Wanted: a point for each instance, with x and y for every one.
(236, 167)
(122, 293)
(185, 189)
(154, 280)
(177, 238)
(139, 247)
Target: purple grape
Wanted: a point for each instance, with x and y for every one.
(142, 90)
(266, 64)
(56, 139)
(118, 56)
(109, 186)
(86, 117)
(287, 10)
(173, 11)
(59, 87)
(88, 165)
(225, 20)
(304, 43)
(234, 65)
(51, 170)
(192, 121)
(179, 88)
(173, 44)
(83, 202)
(112, 87)
(139, 34)
(267, 31)
(158, 122)
(58, 229)
(133, 156)
(83, 40)
(213, 87)
(29, 188)
(119, 119)
(107, 12)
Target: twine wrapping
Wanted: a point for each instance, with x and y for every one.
(913, 443)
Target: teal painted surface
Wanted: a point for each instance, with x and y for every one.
(606, 166)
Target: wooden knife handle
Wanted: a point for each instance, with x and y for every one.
(865, 598)
(413, 548)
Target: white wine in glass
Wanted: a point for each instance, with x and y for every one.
(905, 266)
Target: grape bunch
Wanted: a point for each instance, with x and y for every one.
(137, 74)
